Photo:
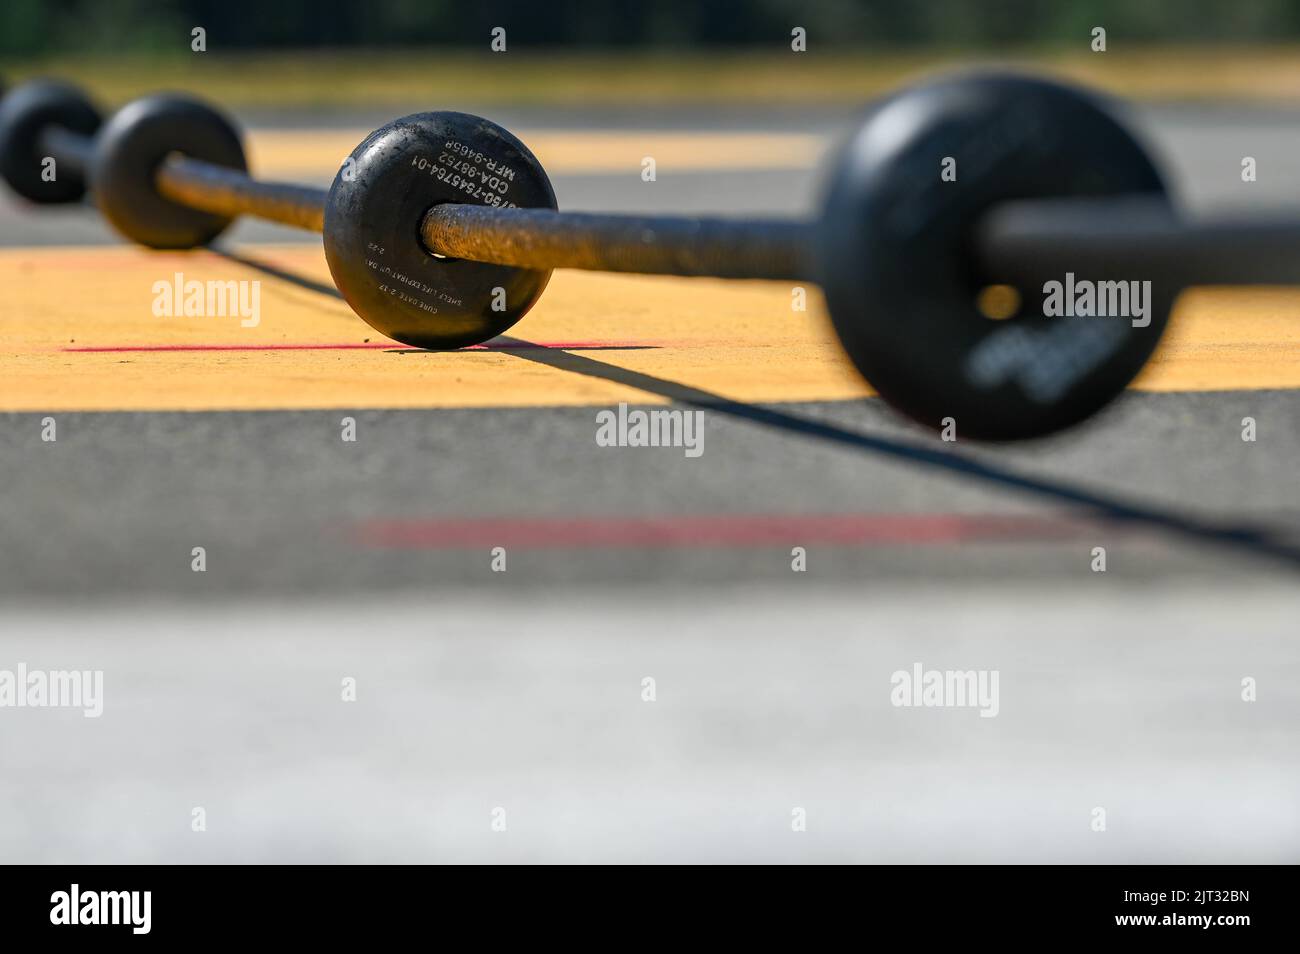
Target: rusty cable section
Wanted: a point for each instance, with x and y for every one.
(657, 245)
(525, 238)
(230, 193)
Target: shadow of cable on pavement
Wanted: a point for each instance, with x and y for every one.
(1101, 506)
(266, 268)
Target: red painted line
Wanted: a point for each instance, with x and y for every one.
(716, 530)
(114, 349)
(365, 346)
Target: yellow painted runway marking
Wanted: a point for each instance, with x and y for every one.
(77, 332)
(315, 154)
(1229, 339)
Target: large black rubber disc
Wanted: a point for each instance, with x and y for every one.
(25, 113)
(372, 229)
(131, 147)
(900, 273)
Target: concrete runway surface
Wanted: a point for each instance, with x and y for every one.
(523, 690)
(767, 701)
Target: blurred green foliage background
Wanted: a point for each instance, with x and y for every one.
(35, 27)
(339, 53)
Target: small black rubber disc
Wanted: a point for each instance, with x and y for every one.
(128, 151)
(372, 229)
(25, 113)
(899, 268)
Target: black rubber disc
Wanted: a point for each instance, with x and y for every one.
(899, 270)
(25, 113)
(128, 152)
(372, 229)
